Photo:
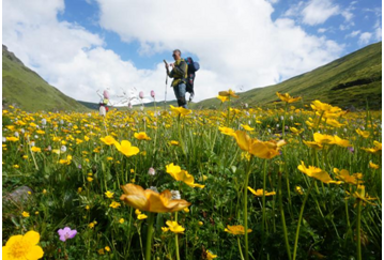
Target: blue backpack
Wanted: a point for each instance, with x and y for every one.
(193, 66)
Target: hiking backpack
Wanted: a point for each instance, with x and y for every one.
(192, 68)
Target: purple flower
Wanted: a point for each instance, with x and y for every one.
(351, 149)
(66, 233)
(141, 94)
(79, 166)
(152, 94)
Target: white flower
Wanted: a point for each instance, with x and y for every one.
(63, 148)
(151, 171)
(277, 126)
(154, 189)
(175, 194)
(61, 122)
(32, 143)
(4, 139)
(291, 117)
(282, 118)
(44, 121)
(17, 134)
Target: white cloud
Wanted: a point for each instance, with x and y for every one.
(318, 11)
(322, 30)
(353, 34)
(237, 45)
(365, 38)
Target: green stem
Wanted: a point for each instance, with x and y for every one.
(358, 230)
(241, 252)
(245, 208)
(263, 199)
(148, 247)
(177, 241)
(283, 220)
(300, 219)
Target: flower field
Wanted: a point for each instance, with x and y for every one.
(250, 183)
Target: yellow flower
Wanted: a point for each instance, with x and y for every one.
(323, 139)
(210, 256)
(16, 166)
(295, 131)
(109, 194)
(107, 248)
(180, 110)
(315, 145)
(126, 148)
(36, 149)
(164, 229)
(141, 216)
(21, 247)
(90, 179)
(377, 148)
(364, 134)
(121, 221)
(137, 212)
(265, 150)
(175, 227)
(373, 166)
(36, 213)
(181, 175)
(236, 230)
(362, 195)
(174, 143)
(66, 161)
(101, 251)
(186, 210)
(142, 136)
(115, 204)
(108, 140)
(344, 176)
(149, 200)
(44, 191)
(79, 190)
(259, 192)
(227, 131)
(299, 190)
(228, 93)
(92, 224)
(223, 98)
(247, 128)
(25, 214)
(316, 173)
(334, 123)
(200, 223)
(12, 139)
(287, 98)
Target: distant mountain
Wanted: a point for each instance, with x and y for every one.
(349, 81)
(26, 89)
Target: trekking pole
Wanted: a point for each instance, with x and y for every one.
(166, 85)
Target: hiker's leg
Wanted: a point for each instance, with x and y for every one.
(177, 94)
(182, 91)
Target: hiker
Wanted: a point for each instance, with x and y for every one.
(103, 103)
(179, 75)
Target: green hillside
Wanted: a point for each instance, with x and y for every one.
(26, 89)
(348, 81)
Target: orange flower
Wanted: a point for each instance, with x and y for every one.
(152, 201)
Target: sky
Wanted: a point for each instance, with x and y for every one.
(81, 46)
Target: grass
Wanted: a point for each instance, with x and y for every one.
(26, 89)
(305, 219)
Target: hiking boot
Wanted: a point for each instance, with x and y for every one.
(191, 96)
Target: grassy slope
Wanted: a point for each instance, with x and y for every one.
(29, 91)
(350, 80)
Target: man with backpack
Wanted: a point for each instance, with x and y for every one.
(183, 77)
(179, 75)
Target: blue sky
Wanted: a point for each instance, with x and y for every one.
(80, 46)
